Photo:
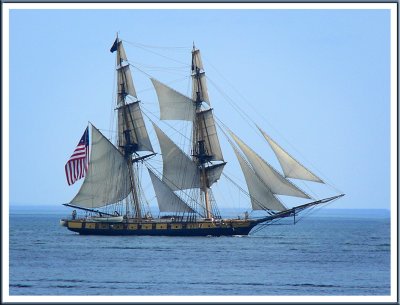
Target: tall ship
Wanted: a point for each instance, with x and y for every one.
(111, 199)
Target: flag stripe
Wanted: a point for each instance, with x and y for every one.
(78, 163)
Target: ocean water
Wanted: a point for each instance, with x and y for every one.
(321, 255)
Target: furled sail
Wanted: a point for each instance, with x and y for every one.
(209, 131)
(261, 196)
(107, 179)
(197, 71)
(290, 166)
(179, 171)
(131, 127)
(275, 181)
(173, 105)
(167, 200)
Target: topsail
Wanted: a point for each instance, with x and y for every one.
(132, 129)
(209, 131)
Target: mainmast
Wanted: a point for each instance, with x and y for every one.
(200, 153)
(179, 171)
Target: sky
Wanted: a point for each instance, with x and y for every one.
(316, 80)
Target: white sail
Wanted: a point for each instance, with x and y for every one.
(131, 125)
(290, 166)
(261, 196)
(179, 171)
(167, 200)
(121, 55)
(107, 178)
(209, 131)
(125, 82)
(275, 181)
(201, 87)
(173, 105)
(196, 60)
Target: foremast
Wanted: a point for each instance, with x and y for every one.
(132, 134)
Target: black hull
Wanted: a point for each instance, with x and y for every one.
(235, 227)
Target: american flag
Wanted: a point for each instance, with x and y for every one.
(77, 164)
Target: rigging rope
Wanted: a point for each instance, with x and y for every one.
(234, 105)
(248, 119)
(148, 165)
(145, 48)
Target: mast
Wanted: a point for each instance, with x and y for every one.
(200, 153)
(126, 145)
(179, 171)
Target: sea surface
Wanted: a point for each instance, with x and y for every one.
(333, 253)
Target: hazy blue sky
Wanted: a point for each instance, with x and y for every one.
(318, 81)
